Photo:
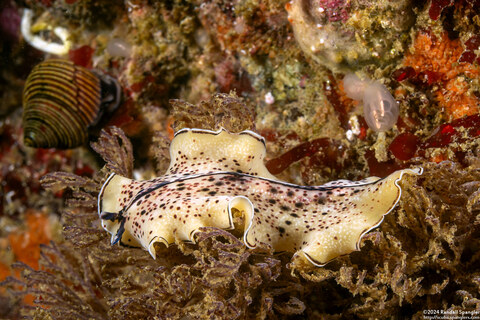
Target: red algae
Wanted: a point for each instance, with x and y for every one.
(450, 132)
(323, 151)
(407, 145)
(404, 73)
(9, 22)
(336, 10)
(404, 146)
(230, 76)
(472, 46)
(437, 7)
(338, 99)
(82, 56)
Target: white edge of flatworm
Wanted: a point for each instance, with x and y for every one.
(248, 132)
(152, 242)
(100, 196)
(230, 219)
(193, 232)
(250, 223)
(99, 205)
(417, 171)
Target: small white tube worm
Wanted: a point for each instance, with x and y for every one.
(40, 43)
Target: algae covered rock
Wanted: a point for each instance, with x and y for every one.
(345, 35)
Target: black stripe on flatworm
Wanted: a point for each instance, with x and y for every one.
(112, 216)
(120, 232)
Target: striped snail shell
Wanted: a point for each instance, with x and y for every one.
(61, 101)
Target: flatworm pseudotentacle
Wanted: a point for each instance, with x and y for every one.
(212, 172)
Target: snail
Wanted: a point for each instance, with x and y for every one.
(62, 101)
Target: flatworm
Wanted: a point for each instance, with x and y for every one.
(213, 172)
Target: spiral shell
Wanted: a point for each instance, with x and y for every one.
(61, 100)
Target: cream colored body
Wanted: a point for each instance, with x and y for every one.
(213, 172)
